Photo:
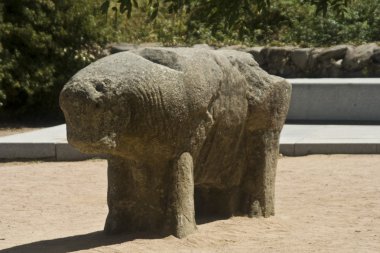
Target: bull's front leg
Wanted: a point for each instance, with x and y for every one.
(144, 197)
(259, 185)
(117, 193)
(181, 212)
(136, 197)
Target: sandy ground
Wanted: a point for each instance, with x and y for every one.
(323, 204)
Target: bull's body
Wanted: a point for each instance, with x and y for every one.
(177, 119)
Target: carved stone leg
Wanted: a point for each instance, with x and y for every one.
(117, 192)
(136, 197)
(182, 213)
(259, 183)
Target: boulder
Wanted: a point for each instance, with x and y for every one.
(187, 132)
(359, 57)
(333, 53)
(255, 52)
(203, 46)
(376, 55)
(300, 57)
(332, 69)
(277, 60)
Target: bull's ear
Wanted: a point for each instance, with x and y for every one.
(164, 57)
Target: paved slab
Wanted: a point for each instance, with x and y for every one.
(335, 99)
(49, 143)
(296, 140)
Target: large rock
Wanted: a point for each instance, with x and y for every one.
(202, 46)
(278, 61)
(358, 58)
(333, 53)
(300, 57)
(376, 55)
(255, 52)
(187, 131)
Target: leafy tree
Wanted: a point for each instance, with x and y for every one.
(217, 21)
(359, 24)
(322, 6)
(44, 42)
(218, 8)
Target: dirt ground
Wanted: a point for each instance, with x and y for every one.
(323, 204)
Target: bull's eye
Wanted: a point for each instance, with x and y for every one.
(99, 87)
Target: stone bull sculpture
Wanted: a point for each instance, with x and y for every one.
(186, 131)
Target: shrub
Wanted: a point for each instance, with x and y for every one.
(43, 43)
(295, 22)
(360, 23)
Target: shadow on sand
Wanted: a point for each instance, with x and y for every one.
(76, 243)
(91, 240)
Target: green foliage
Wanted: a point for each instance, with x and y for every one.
(322, 6)
(242, 21)
(150, 21)
(44, 42)
(251, 22)
(126, 6)
(359, 24)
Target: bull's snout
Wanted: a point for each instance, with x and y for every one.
(75, 97)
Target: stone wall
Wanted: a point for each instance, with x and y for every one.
(336, 61)
(293, 62)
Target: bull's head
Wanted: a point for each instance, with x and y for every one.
(94, 117)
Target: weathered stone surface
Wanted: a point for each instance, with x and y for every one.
(277, 60)
(335, 53)
(202, 46)
(291, 62)
(313, 59)
(255, 52)
(179, 126)
(376, 55)
(359, 57)
(300, 57)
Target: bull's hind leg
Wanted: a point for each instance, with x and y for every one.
(181, 200)
(262, 153)
(265, 120)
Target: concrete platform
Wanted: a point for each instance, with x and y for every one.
(299, 140)
(335, 99)
(296, 140)
(49, 143)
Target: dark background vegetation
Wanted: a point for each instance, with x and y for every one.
(44, 42)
